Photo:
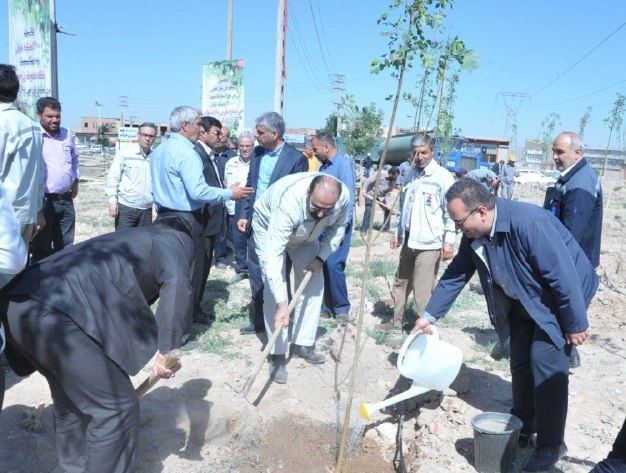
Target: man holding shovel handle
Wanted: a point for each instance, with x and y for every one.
(303, 216)
(82, 318)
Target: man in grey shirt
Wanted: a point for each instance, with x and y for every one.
(129, 183)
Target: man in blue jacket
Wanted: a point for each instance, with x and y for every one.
(538, 283)
(270, 161)
(576, 200)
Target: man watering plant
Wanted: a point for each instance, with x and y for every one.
(537, 282)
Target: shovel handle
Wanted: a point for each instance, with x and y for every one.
(173, 357)
(272, 340)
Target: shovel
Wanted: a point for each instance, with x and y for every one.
(272, 341)
(172, 358)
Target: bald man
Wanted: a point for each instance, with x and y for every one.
(288, 221)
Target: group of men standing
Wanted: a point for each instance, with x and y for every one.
(537, 271)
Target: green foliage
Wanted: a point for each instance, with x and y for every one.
(548, 125)
(101, 137)
(363, 124)
(584, 121)
(331, 125)
(614, 121)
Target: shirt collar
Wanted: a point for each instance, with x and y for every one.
(276, 152)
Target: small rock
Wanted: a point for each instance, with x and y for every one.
(387, 433)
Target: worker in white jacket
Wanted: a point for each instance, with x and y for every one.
(289, 220)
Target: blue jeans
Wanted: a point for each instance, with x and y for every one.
(367, 215)
(335, 288)
(59, 230)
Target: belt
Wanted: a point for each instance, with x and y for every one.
(164, 210)
(56, 196)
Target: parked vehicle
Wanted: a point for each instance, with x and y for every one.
(532, 176)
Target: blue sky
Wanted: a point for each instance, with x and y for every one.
(152, 52)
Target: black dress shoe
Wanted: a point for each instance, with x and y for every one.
(544, 458)
(250, 330)
(308, 353)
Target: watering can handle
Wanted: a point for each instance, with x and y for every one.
(409, 340)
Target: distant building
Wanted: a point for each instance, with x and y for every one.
(615, 159)
(87, 132)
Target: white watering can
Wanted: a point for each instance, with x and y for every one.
(429, 362)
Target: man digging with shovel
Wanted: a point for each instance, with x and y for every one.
(289, 220)
(82, 318)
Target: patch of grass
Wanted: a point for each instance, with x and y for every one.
(392, 339)
(491, 358)
(356, 241)
(382, 268)
(212, 341)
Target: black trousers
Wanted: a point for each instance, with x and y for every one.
(128, 217)
(60, 227)
(96, 410)
(203, 259)
(619, 446)
(540, 379)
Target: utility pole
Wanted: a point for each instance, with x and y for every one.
(280, 72)
(98, 104)
(512, 102)
(54, 71)
(123, 105)
(338, 83)
(229, 31)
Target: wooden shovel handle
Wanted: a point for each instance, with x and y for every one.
(173, 357)
(272, 340)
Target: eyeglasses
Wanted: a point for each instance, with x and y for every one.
(216, 133)
(148, 136)
(315, 209)
(462, 221)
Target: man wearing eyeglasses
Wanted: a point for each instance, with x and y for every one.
(288, 221)
(538, 283)
(129, 183)
(236, 170)
(425, 233)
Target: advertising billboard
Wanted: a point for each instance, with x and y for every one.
(222, 93)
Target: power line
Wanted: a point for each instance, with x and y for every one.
(580, 60)
(317, 35)
(330, 58)
(589, 94)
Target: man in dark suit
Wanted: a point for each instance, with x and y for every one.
(538, 283)
(271, 160)
(82, 318)
(214, 214)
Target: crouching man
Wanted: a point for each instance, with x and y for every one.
(289, 220)
(82, 318)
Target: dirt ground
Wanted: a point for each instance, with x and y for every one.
(195, 422)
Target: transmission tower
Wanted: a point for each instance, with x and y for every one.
(512, 102)
(123, 106)
(338, 82)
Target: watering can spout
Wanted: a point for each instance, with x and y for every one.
(367, 409)
(429, 362)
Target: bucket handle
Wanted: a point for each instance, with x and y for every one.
(410, 339)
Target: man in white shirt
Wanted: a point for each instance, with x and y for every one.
(21, 160)
(129, 183)
(236, 170)
(288, 221)
(425, 233)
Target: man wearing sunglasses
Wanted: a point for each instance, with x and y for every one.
(288, 221)
(538, 283)
(129, 183)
